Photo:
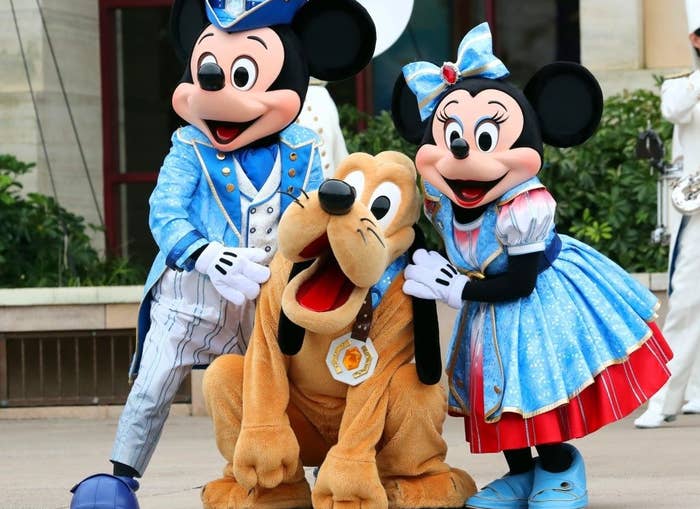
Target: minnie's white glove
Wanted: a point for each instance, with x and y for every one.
(433, 277)
(235, 272)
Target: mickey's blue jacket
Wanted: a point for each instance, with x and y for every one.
(197, 200)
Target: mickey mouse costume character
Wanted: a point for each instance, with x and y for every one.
(320, 114)
(553, 339)
(221, 191)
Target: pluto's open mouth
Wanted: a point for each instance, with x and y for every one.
(469, 193)
(226, 132)
(328, 288)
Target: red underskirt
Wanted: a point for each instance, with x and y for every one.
(615, 393)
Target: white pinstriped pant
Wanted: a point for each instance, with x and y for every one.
(191, 324)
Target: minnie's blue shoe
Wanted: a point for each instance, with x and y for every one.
(560, 490)
(508, 492)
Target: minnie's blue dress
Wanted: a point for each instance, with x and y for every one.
(577, 353)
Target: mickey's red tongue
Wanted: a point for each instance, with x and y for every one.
(470, 194)
(227, 133)
(327, 289)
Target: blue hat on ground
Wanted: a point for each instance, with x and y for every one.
(240, 15)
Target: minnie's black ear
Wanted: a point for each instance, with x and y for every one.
(338, 37)
(187, 20)
(426, 330)
(290, 336)
(568, 102)
(405, 113)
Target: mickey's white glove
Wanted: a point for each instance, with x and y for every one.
(433, 277)
(235, 272)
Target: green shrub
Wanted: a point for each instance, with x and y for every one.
(43, 244)
(605, 196)
(379, 134)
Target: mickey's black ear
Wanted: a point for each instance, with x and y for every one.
(338, 37)
(405, 113)
(568, 102)
(187, 20)
(290, 336)
(426, 330)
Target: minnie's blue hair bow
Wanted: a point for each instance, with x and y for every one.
(474, 59)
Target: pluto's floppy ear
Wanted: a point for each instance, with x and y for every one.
(568, 102)
(187, 20)
(405, 113)
(426, 330)
(290, 336)
(338, 37)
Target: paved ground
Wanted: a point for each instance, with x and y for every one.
(41, 459)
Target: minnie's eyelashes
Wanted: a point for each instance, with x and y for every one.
(442, 116)
(499, 117)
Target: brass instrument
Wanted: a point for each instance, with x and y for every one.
(685, 194)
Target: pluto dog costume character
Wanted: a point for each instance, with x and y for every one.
(327, 379)
(221, 191)
(553, 340)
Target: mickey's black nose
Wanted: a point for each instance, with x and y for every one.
(211, 77)
(336, 196)
(459, 148)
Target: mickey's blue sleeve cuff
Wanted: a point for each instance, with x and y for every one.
(179, 256)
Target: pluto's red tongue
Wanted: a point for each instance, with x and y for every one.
(227, 133)
(326, 290)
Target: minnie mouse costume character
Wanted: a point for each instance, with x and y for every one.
(553, 340)
(228, 178)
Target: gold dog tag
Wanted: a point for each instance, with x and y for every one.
(350, 360)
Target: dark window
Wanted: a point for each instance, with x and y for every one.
(139, 74)
(534, 33)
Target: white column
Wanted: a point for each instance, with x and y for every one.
(74, 31)
(612, 34)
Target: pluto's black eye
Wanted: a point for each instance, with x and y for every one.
(380, 206)
(385, 203)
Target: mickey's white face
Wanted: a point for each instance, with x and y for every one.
(473, 161)
(229, 99)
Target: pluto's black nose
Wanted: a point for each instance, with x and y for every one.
(336, 196)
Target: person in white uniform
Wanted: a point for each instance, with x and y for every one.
(320, 114)
(680, 104)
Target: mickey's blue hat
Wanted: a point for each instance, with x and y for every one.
(240, 15)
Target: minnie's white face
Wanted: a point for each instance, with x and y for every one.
(472, 161)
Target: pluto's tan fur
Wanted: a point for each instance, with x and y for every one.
(378, 444)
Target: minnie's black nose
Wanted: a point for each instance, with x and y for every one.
(459, 148)
(211, 77)
(336, 196)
